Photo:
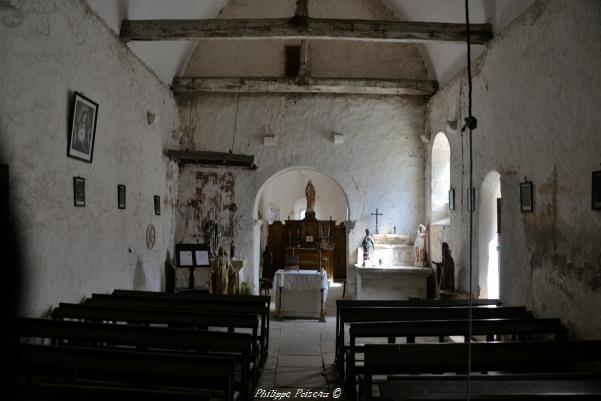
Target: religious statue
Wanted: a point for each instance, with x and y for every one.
(368, 247)
(445, 270)
(419, 247)
(224, 279)
(310, 194)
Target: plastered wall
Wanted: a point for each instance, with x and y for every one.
(379, 165)
(536, 97)
(50, 49)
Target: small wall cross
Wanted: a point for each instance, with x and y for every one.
(377, 214)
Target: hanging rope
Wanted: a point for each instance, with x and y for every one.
(235, 119)
(471, 124)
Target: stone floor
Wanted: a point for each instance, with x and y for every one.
(301, 354)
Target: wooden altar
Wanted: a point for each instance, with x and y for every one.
(316, 242)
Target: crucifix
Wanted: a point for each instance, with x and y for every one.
(377, 214)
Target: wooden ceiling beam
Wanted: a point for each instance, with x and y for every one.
(300, 27)
(399, 87)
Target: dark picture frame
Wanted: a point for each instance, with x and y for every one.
(121, 196)
(526, 197)
(157, 205)
(83, 128)
(596, 191)
(79, 191)
(452, 199)
(471, 199)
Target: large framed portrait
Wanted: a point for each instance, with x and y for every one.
(526, 198)
(83, 128)
(596, 190)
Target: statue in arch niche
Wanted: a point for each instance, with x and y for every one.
(310, 194)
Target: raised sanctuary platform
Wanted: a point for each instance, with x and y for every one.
(391, 282)
(390, 275)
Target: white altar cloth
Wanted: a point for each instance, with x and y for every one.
(298, 293)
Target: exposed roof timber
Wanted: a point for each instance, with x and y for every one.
(302, 28)
(212, 158)
(190, 85)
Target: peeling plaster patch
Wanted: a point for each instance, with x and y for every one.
(211, 196)
(549, 244)
(10, 15)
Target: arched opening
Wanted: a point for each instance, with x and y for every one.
(282, 197)
(488, 229)
(439, 201)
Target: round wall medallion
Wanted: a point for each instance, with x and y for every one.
(150, 236)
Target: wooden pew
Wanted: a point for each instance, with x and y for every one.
(493, 387)
(512, 357)
(194, 303)
(375, 314)
(119, 368)
(264, 301)
(146, 317)
(356, 303)
(156, 338)
(409, 330)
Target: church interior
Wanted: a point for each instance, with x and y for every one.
(267, 199)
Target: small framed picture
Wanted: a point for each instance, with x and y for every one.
(596, 202)
(121, 196)
(471, 199)
(309, 238)
(526, 201)
(83, 128)
(157, 205)
(451, 199)
(79, 191)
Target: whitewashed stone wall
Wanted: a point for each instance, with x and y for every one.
(48, 50)
(380, 165)
(536, 97)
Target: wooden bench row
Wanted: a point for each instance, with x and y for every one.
(514, 357)
(491, 329)
(147, 324)
(350, 315)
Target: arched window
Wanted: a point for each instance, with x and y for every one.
(488, 237)
(441, 180)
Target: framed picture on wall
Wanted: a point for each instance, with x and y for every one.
(596, 202)
(157, 205)
(83, 128)
(79, 191)
(526, 199)
(451, 199)
(121, 196)
(471, 199)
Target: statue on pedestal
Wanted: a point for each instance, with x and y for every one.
(223, 279)
(310, 194)
(445, 270)
(419, 247)
(368, 247)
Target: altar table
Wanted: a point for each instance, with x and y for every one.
(300, 293)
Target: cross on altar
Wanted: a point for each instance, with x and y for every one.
(377, 214)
